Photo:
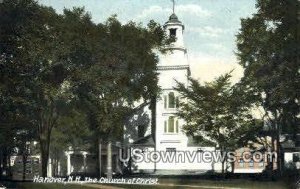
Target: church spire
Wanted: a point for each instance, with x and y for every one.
(174, 28)
(173, 17)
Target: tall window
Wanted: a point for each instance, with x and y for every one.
(171, 101)
(171, 128)
(171, 125)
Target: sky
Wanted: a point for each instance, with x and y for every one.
(210, 26)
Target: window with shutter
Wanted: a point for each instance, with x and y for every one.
(165, 101)
(165, 129)
(171, 100)
(171, 125)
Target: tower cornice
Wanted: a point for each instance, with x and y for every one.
(173, 24)
(170, 48)
(175, 67)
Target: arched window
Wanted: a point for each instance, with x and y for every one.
(171, 125)
(171, 101)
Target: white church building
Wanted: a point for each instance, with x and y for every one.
(154, 135)
(167, 137)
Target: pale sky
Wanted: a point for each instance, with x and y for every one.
(210, 26)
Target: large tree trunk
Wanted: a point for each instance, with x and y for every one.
(9, 165)
(47, 122)
(153, 124)
(278, 149)
(24, 159)
(277, 143)
(109, 160)
(223, 162)
(153, 117)
(44, 156)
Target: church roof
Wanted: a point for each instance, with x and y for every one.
(173, 19)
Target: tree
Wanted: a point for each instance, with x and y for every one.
(122, 71)
(36, 59)
(218, 113)
(8, 129)
(71, 131)
(45, 56)
(268, 49)
(16, 131)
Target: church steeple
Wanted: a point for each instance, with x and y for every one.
(176, 53)
(174, 27)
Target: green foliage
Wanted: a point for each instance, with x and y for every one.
(37, 57)
(122, 71)
(50, 63)
(268, 49)
(218, 113)
(71, 131)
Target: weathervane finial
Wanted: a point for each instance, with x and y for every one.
(173, 6)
